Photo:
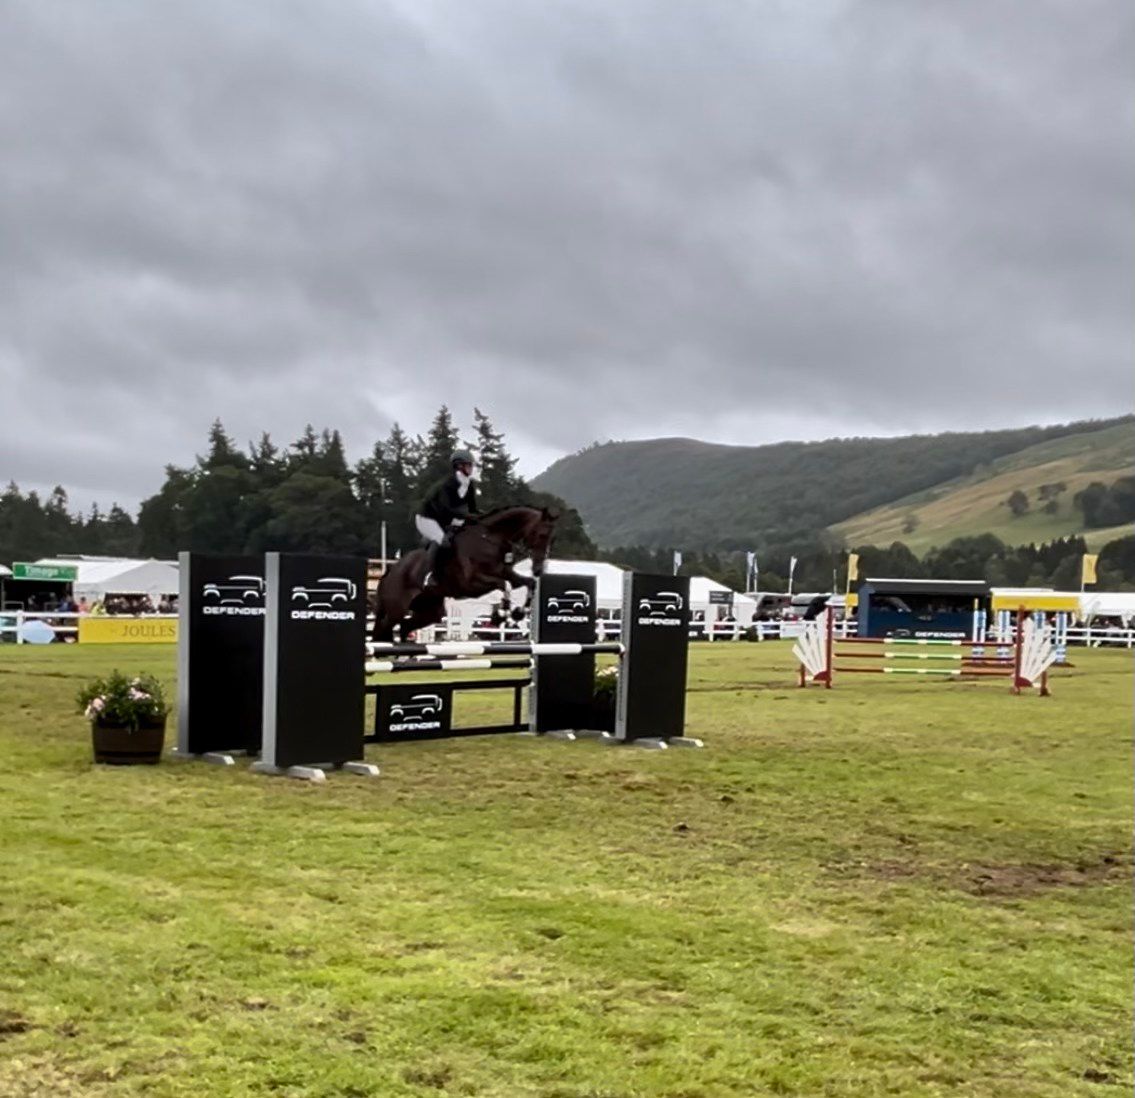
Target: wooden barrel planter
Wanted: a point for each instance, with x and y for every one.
(117, 745)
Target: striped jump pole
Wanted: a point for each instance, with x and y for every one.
(445, 649)
(377, 667)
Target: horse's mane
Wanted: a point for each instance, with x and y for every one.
(500, 514)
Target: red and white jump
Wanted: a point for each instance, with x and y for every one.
(1024, 662)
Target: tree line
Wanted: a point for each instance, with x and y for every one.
(821, 563)
(304, 497)
(307, 497)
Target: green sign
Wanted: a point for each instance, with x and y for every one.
(60, 573)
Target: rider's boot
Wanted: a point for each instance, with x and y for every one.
(437, 557)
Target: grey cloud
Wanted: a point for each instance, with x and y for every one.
(733, 221)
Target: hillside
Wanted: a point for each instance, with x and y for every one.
(701, 495)
(976, 504)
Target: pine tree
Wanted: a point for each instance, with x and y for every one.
(120, 537)
(304, 451)
(265, 462)
(222, 452)
(437, 455)
(496, 478)
(332, 459)
(162, 518)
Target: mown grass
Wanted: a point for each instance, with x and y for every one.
(892, 888)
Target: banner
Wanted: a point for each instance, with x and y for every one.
(677, 560)
(1088, 568)
(56, 573)
(752, 571)
(852, 569)
(115, 630)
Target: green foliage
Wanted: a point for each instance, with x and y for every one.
(30, 529)
(121, 702)
(1018, 503)
(1107, 504)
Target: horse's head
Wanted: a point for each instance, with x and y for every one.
(538, 536)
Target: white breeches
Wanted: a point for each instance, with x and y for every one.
(429, 528)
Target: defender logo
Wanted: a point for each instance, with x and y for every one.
(570, 602)
(420, 714)
(238, 596)
(570, 606)
(321, 598)
(660, 608)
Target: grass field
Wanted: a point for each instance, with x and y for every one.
(892, 888)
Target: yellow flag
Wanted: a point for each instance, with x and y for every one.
(852, 567)
(1088, 568)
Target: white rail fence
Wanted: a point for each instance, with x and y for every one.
(66, 628)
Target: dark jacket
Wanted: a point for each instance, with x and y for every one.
(443, 504)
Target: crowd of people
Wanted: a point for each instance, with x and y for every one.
(123, 605)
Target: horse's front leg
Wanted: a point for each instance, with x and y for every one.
(528, 584)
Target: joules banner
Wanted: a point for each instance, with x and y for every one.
(114, 630)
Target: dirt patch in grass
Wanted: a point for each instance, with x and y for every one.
(1026, 880)
(1000, 880)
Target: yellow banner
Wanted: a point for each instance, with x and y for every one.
(114, 630)
(1088, 568)
(1039, 600)
(852, 569)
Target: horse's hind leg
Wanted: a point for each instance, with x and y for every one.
(424, 610)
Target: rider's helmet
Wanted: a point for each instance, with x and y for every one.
(461, 457)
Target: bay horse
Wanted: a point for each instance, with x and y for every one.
(480, 560)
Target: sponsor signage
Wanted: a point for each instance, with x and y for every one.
(414, 711)
(315, 633)
(114, 630)
(721, 598)
(56, 573)
(220, 653)
(561, 698)
(656, 619)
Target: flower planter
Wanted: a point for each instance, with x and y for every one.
(118, 745)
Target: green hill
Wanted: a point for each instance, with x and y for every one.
(977, 503)
(700, 495)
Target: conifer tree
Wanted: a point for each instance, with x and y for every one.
(437, 451)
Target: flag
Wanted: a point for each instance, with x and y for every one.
(791, 566)
(751, 570)
(1088, 568)
(852, 568)
(677, 560)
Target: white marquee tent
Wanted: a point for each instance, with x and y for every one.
(102, 576)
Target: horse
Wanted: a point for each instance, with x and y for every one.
(480, 560)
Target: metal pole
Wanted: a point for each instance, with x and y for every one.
(382, 525)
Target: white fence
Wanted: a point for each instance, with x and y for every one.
(66, 627)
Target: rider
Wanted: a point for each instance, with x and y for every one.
(446, 508)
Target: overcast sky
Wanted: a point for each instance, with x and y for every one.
(738, 221)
